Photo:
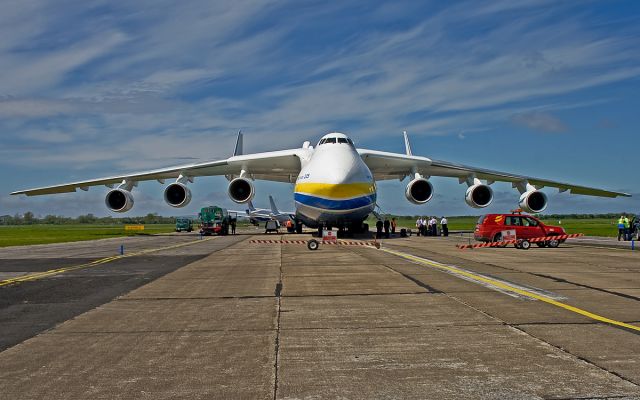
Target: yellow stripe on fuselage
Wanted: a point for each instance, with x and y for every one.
(336, 190)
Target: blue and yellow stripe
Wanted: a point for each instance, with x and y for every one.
(336, 197)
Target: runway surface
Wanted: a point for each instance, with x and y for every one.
(181, 317)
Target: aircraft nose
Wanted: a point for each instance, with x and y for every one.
(345, 173)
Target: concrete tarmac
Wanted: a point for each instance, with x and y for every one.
(225, 318)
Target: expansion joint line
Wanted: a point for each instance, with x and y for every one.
(504, 286)
(57, 271)
(278, 294)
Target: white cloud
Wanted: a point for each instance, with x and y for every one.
(540, 121)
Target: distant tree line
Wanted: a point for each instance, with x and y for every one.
(29, 218)
(583, 216)
(549, 216)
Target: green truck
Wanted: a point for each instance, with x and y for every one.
(214, 219)
(184, 224)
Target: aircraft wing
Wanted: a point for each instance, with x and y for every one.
(385, 165)
(280, 166)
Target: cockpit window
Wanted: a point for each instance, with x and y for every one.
(331, 140)
(321, 141)
(342, 140)
(350, 142)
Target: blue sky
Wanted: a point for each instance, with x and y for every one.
(95, 88)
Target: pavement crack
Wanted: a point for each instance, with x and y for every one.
(561, 280)
(583, 359)
(278, 294)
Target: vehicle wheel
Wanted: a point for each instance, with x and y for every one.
(498, 238)
(553, 243)
(525, 245)
(313, 244)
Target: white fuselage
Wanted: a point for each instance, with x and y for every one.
(334, 187)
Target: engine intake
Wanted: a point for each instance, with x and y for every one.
(241, 190)
(419, 191)
(533, 201)
(119, 200)
(177, 195)
(479, 196)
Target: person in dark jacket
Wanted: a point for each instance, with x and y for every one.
(387, 225)
(379, 226)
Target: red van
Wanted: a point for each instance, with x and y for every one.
(489, 228)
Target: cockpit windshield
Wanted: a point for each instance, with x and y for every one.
(335, 140)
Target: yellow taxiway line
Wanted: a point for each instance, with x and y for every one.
(513, 289)
(52, 272)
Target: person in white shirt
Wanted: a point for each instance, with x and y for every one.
(419, 225)
(444, 226)
(434, 226)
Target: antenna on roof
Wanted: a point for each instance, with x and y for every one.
(238, 150)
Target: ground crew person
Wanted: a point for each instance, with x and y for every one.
(394, 224)
(379, 225)
(419, 225)
(233, 226)
(387, 225)
(622, 224)
(445, 227)
(627, 228)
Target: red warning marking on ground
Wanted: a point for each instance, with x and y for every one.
(331, 242)
(507, 242)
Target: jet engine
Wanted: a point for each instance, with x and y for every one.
(177, 195)
(479, 196)
(241, 190)
(533, 201)
(419, 191)
(119, 200)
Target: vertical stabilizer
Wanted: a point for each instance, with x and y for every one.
(238, 150)
(407, 145)
(274, 209)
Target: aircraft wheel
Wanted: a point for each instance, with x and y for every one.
(553, 243)
(313, 244)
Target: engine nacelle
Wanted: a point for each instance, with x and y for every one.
(533, 201)
(119, 200)
(177, 195)
(419, 191)
(241, 190)
(479, 196)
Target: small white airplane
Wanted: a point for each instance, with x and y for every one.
(335, 182)
(258, 215)
(281, 217)
(255, 215)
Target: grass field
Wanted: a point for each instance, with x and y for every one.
(41, 234)
(590, 227)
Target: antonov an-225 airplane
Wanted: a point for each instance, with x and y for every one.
(335, 182)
